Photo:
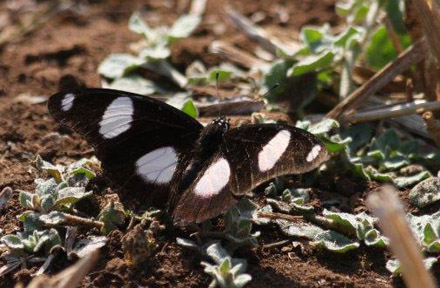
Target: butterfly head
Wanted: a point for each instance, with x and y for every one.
(222, 123)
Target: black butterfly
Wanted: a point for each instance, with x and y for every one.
(154, 154)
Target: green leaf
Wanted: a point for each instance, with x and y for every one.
(388, 141)
(381, 50)
(223, 75)
(183, 27)
(342, 39)
(403, 182)
(373, 238)
(334, 242)
(395, 162)
(313, 37)
(429, 234)
(13, 242)
(135, 84)
(84, 171)
(312, 63)
(113, 216)
(360, 134)
(25, 199)
(277, 75)
(117, 65)
(376, 175)
(394, 10)
(190, 109)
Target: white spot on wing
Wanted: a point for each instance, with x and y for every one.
(67, 102)
(273, 150)
(117, 118)
(158, 165)
(313, 153)
(214, 180)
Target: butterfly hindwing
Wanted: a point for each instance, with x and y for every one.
(139, 140)
(249, 155)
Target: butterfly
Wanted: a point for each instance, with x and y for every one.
(156, 155)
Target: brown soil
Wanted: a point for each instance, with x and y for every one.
(65, 52)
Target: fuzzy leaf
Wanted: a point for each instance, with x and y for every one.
(425, 193)
(137, 25)
(86, 246)
(45, 187)
(323, 127)
(394, 265)
(135, 84)
(13, 242)
(184, 26)
(334, 242)
(71, 195)
(155, 53)
(311, 64)
(53, 218)
(403, 182)
(117, 65)
(303, 230)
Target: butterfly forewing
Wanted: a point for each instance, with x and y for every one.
(248, 156)
(138, 139)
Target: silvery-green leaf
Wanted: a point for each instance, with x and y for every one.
(113, 216)
(242, 280)
(323, 127)
(373, 238)
(138, 25)
(116, 65)
(395, 162)
(155, 53)
(425, 193)
(217, 253)
(25, 199)
(418, 223)
(301, 230)
(53, 218)
(81, 170)
(85, 246)
(403, 182)
(376, 175)
(388, 141)
(13, 242)
(71, 195)
(135, 84)
(394, 265)
(312, 63)
(46, 240)
(343, 37)
(360, 134)
(32, 222)
(46, 187)
(187, 243)
(184, 26)
(47, 202)
(334, 242)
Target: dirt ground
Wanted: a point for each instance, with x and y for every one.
(64, 53)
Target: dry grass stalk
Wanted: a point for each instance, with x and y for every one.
(68, 278)
(388, 208)
(433, 126)
(429, 17)
(412, 55)
(398, 110)
(269, 43)
(236, 55)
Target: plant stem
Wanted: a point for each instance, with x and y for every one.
(414, 54)
(398, 110)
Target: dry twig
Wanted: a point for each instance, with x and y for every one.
(412, 55)
(393, 111)
(387, 207)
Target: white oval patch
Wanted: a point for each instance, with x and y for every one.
(214, 180)
(313, 153)
(67, 102)
(158, 165)
(273, 150)
(117, 118)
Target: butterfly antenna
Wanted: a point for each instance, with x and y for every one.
(217, 76)
(270, 90)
